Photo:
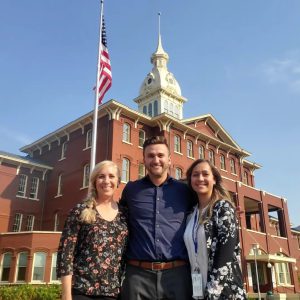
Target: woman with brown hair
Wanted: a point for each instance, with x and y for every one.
(93, 240)
(212, 237)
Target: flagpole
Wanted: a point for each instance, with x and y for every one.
(95, 121)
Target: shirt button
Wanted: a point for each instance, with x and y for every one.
(157, 240)
(157, 198)
(157, 212)
(157, 225)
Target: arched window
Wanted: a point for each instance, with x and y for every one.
(145, 109)
(86, 175)
(150, 109)
(22, 266)
(142, 137)
(59, 185)
(222, 162)
(232, 166)
(155, 108)
(245, 178)
(125, 170)
(177, 144)
(63, 150)
(201, 152)
(22, 185)
(88, 139)
(189, 147)
(53, 267)
(38, 271)
(141, 171)
(211, 156)
(178, 173)
(126, 133)
(5, 266)
(34, 187)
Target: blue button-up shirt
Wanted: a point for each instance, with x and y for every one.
(157, 219)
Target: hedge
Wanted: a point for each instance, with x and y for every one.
(30, 292)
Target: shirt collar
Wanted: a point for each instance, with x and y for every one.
(167, 181)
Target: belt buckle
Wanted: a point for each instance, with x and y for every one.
(155, 266)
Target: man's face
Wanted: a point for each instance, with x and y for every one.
(157, 160)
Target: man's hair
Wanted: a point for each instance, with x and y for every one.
(155, 140)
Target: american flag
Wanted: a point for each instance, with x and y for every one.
(105, 76)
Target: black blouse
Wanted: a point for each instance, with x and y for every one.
(93, 253)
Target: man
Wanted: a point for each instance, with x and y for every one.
(157, 261)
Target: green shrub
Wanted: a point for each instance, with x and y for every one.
(30, 292)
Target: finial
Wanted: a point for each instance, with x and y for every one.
(159, 13)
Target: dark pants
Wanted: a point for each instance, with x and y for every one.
(142, 284)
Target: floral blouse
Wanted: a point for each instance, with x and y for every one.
(224, 277)
(93, 253)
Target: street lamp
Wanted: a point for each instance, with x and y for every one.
(255, 250)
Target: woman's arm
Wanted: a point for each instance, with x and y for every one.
(223, 245)
(66, 283)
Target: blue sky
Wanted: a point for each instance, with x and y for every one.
(238, 60)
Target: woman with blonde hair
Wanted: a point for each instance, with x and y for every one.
(212, 237)
(90, 253)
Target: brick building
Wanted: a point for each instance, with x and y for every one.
(37, 190)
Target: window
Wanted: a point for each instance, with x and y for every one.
(222, 162)
(245, 178)
(22, 185)
(283, 273)
(88, 140)
(141, 171)
(155, 108)
(53, 267)
(142, 137)
(56, 222)
(171, 109)
(232, 166)
(201, 152)
(176, 111)
(211, 156)
(177, 143)
(86, 175)
(5, 269)
(63, 150)
(126, 133)
(189, 147)
(150, 109)
(125, 170)
(39, 266)
(17, 222)
(166, 106)
(30, 223)
(34, 188)
(145, 109)
(59, 185)
(178, 173)
(22, 266)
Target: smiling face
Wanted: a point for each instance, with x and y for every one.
(157, 161)
(202, 182)
(106, 182)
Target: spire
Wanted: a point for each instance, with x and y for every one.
(159, 58)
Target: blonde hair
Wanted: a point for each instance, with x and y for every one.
(88, 215)
(218, 193)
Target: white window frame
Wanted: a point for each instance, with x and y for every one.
(2, 266)
(150, 110)
(63, 150)
(142, 171)
(30, 222)
(125, 170)
(59, 185)
(177, 143)
(21, 266)
(232, 166)
(53, 267)
(142, 137)
(189, 149)
(34, 188)
(178, 173)
(201, 152)
(126, 133)
(211, 156)
(34, 266)
(17, 222)
(22, 185)
(88, 139)
(246, 178)
(86, 176)
(222, 162)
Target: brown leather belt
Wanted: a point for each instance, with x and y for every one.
(157, 266)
